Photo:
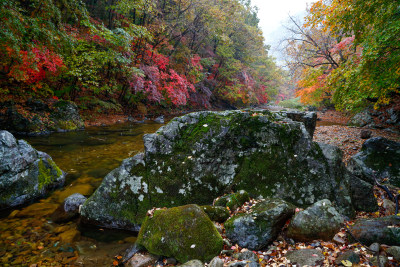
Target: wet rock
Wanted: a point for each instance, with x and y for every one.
(394, 251)
(361, 119)
(141, 260)
(160, 120)
(261, 226)
(362, 195)
(350, 256)
(378, 230)
(70, 236)
(193, 263)
(216, 214)
(25, 173)
(184, 233)
(69, 209)
(131, 251)
(216, 262)
(380, 157)
(320, 221)
(310, 257)
(365, 134)
(233, 201)
(375, 247)
(266, 154)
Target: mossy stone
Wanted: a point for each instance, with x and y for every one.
(216, 214)
(233, 201)
(184, 233)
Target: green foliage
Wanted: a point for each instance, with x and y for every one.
(293, 103)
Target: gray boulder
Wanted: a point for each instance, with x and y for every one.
(25, 173)
(264, 153)
(361, 119)
(378, 157)
(362, 195)
(378, 230)
(259, 227)
(320, 221)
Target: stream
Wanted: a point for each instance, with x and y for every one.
(28, 236)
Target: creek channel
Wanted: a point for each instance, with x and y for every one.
(28, 236)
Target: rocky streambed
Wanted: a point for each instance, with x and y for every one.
(172, 192)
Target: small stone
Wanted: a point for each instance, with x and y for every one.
(394, 251)
(337, 239)
(374, 247)
(365, 134)
(348, 256)
(216, 262)
(303, 257)
(382, 259)
(193, 263)
(171, 261)
(246, 256)
(389, 206)
(141, 260)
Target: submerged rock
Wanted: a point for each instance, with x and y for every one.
(69, 208)
(320, 221)
(25, 173)
(185, 233)
(256, 229)
(200, 156)
(378, 157)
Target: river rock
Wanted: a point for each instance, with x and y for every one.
(69, 208)
(200, 156)
(193, 263)
(362, 195)
(185, 233)
(394, 251)
(320, 221)
(309, 257)
(256, 229)
(350, 256)
(380, 157)
(216, 262)
(377, 230)
(233, 201)
(141, 260)
(25, 173)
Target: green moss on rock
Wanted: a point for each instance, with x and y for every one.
(49, 172)
(233, 201)
(217, 214)
(184, 233)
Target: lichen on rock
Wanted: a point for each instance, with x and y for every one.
(264, 153)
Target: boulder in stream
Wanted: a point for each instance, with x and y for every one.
(200, 156)
(25, 173)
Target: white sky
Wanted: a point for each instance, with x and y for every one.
(274, 13)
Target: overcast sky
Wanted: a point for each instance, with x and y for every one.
(273, 14)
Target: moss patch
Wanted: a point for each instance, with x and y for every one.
(184, 233)
(48, 172)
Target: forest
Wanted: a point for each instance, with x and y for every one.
(123, 55)
(346, 53)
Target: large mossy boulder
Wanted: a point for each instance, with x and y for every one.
(380, 158)
(200, 156)
(184, 233)
(256, 229)
(25, 173)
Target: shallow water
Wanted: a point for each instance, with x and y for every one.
(28, 236)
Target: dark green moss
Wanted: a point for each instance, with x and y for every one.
(48, 172)
(217, 214)
(184, 233)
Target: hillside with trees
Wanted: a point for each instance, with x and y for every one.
(123, 55)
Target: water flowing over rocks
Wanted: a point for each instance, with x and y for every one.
(25, 173)
(200, 156)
